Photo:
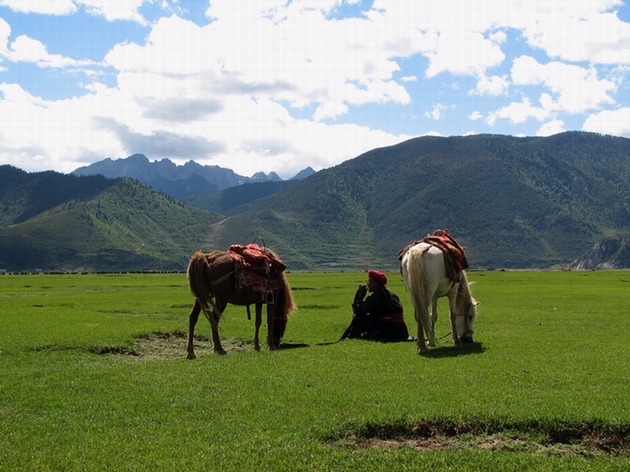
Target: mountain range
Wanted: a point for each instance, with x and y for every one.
(511, 202)
(174, 180)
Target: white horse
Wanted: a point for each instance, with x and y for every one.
(424, 271)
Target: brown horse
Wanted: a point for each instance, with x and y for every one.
(212, 280)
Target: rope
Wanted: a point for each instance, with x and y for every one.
(222, 279)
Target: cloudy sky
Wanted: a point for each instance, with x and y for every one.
(277, 85)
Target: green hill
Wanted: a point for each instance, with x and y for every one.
(51, 221)
(512, 202)
(224, 200)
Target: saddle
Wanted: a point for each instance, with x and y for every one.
(259, 267)
(455, 259)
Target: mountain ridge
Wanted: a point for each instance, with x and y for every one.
(511, 202)
(175, 180)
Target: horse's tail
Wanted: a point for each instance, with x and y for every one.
(199, 273)
(417, 277)
(418, 287)
(288, 303)
(285, 305)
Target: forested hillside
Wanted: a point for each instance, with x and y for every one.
(511, 202)
(51, 221)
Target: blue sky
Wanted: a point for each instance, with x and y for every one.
(276, 85)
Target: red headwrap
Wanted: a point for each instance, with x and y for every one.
(378, 276)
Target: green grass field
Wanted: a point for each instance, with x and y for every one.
(93, 376)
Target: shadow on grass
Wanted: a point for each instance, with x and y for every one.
(454, 351)
(436, 352)
(284, 345)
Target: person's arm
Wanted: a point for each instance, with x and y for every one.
(370, 305)
(358, 298)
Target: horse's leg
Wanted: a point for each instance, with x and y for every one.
(422, 318)
(192, 321)
(271, 311)
(258, 322)
(434, 316)
(214, 317)
(452, 302)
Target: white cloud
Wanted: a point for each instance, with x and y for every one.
(437, 113)
(110, 9)
(578, 89)
(463, 52)
(518, 112)
(493, 86)
(115, 9)
(580, 31)
(43, 7)
(616, 122)
(25, 49)
(226, 88)
(252, 134)
(551, 128)
(437, 134)
(5, 32)
(499, 37)
(331, 64)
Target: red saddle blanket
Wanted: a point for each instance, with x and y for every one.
(260, 267)
(258, 258)
(454, 256)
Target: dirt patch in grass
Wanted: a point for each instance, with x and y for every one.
(586, 439)
(172, 345)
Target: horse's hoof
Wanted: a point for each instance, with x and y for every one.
(220, 352)
(191, 355)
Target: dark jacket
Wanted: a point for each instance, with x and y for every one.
(379, 317)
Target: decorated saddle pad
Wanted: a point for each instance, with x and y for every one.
(260, 267)
(454, 256)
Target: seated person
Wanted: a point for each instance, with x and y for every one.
(380, 316)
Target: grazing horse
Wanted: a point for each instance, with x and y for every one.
(213, 282)
(424, 269)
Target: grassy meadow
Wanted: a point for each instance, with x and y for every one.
(93, 376)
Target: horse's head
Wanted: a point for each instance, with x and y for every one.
(466, 310)
(285, 305)
(279, 327)
(466, 320)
